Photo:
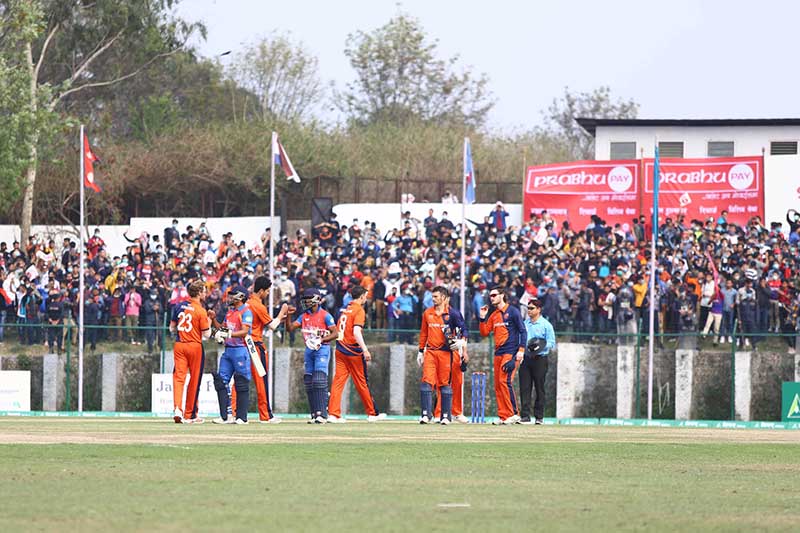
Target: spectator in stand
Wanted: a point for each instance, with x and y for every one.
(133, 303)
(449, 198)
(498, 218)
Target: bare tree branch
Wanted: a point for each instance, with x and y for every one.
(61, 96)
(44, 51)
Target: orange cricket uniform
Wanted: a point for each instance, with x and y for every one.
(189, 320)
(457, 383)
(437, 364)
(261, 318)
(509, 339)
(350, 362)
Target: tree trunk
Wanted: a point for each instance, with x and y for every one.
(30, 174)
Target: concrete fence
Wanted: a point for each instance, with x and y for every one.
(584, 380)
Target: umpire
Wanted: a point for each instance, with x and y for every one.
(541, 340)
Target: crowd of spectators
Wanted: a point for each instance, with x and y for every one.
(712, 275)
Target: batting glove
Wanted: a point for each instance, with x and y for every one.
(509, 366)
(221, 335)
(420, 357)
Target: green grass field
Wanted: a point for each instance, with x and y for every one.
(125, 475)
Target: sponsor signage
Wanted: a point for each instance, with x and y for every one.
(162, 400)
(703, 188)
(618, 191)
(578, 190)
(15, 390)
(790, 404)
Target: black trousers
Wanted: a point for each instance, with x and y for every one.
(532, 373)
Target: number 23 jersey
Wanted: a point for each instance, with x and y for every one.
(190, 321)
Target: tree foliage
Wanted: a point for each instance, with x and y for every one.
(560, 117)
(283, 76)
(399, 78)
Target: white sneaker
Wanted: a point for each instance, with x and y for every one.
(747, 343)
(376, 418)
(445, 421)
(730, 340)
(197, 420)
(320, 420)
(240, 422)
(221, 420)
(336, 420)
(461, 419)
(513, 419)
(424, 420)
(273, 420)
(792, 351)
(177, 416)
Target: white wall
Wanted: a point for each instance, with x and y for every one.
(781, 173)
(247, 229)
(387, 216)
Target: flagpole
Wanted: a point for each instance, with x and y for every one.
(462, 307)
(653, 271)
(271, 348)
(81, 277)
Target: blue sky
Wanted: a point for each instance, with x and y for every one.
(677, 59)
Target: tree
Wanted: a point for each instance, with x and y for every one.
(560, 117)
(399, 77)
(282, 75)
(66, 48)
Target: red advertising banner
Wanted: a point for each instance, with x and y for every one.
(575, 191)
(703, 188)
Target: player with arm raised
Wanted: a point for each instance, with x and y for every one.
(352, 356)
(319, 329)
(235, 361)
(191, 326)
(505, 321)
(262, 319)
(436, 356)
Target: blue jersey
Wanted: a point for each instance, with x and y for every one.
(238, 319)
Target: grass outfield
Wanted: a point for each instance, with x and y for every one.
(122, 475)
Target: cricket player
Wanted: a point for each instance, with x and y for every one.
(319, 329)
(352, 356)
(261, 319)
(505, 322)
(440, 337)
(191, 326)
(235, 361)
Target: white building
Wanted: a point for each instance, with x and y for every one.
(776, 139)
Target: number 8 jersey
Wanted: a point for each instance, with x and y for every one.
(190, 321)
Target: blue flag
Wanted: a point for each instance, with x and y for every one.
(469, 174)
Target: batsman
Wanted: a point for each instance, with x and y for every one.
(441, 340)
(235, 361)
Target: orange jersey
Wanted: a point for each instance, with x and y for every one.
(350, 318)
(190, 320)
(436, 328)
(261, 318)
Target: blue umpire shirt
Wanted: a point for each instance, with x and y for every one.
(541, 329)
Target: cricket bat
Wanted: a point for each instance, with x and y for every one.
(254, 356)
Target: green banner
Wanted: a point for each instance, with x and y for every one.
(790, 406)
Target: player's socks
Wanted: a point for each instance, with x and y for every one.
(242, 385)
(320, 385)
(426, 399)
(312, 403)
(446, 394)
